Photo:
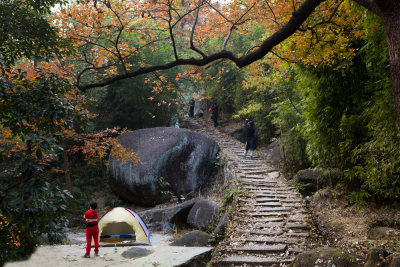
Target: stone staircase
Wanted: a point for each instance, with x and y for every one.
(271, 224)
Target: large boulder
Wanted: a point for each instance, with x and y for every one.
(202, 215)
(178, 157)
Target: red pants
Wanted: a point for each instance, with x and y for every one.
(92, 232)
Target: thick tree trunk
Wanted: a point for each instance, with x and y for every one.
(391, 16)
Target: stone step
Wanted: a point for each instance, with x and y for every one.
(240, 260)
(272, 209)
(268, 204)
(254, 172)
(270, 232)
(261, 249)
(269, 225)
(292, 200)
(297, 226)
(279, 197)
(269, 214)
(257, 182)
(269, 220)
(252, 165)
(255, 177)
(295, 234)
(268, 200)
(269, 240)
(259, 168)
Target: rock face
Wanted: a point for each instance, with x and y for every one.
(194, 238)
(182, 158)
(165, 219)
(202, 214)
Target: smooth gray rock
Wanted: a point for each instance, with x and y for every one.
(182, 158)
(194, 238)
(165, 219)
(202, 214)
(137, 252)
(324, 257)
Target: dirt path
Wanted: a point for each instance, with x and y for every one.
(271, 224)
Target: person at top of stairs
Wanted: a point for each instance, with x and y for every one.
(250, 137)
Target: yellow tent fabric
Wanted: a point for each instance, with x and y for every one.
(123, 221)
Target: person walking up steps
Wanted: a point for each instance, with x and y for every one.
(214, 115)
(191, 108)
(250, 137)
(92, 230)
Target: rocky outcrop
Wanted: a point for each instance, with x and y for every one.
(311, 180)
(165, 219)
(198, 213)
(194, 238)
(324, 257)
(202, 214)
(173, 160)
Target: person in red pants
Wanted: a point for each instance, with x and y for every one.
(92, 230)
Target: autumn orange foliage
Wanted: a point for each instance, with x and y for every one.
(12, 238)
(107, 33)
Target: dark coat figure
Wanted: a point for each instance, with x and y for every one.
(250, 137)
(191, 108)
(214, 116)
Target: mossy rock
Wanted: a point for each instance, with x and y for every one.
(325, 257)
(380, 233)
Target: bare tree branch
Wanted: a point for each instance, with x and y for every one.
(298, 17)
(234, 25)
(171, 31)
(273, 13)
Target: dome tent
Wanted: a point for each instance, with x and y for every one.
(123, 227)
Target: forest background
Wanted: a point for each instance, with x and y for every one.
(67, 91)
